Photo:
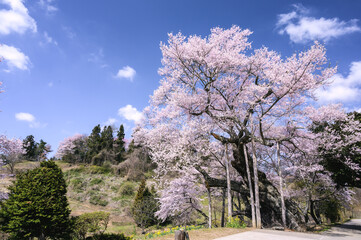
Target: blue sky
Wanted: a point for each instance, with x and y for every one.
(70, 65)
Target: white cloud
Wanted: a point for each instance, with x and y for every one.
(130, 113)
(126, 72)
(47, 6)
(28, 117)
(14, 57)
(110, 122)
(302, 28)
(343, 89)
(25, 117)
(49, 39)
(16, 18)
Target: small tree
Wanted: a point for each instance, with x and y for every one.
(144, 207)
(11, 151)
(42, 150)
(37, 205)
(95, 222)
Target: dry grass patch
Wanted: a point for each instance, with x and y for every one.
(207, 234)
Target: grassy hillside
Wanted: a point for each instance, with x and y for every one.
(94, 188)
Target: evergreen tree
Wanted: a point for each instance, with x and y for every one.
(119, 144)
(37, 205)
(107, 138)
(30, 147)
(144, 207)
(94, 142)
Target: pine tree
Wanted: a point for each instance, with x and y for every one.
(37, 205)
(119, 144)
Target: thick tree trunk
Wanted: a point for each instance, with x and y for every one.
(283, 206)
(269, 195)
(250, 187)
(229, 197)
(256, 187)
(312, 212)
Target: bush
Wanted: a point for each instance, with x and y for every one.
(235, 223)
(96, 181)
(137, 163)
(100, 169)
(78, 184)
(109, 236)
(95, 222)
(127, 189)
(98, 200)
(331, 209)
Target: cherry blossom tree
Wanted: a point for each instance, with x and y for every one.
(72, 148)
(11, 151)
(211, 89)
(180, 200)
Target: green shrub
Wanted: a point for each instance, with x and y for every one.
(98, 200)
(96, 181)
(331, 209)
(235, 223)
(109, 236)
(95, 222)
(127, 189)
(75, 171)
(99, 169)
(78, 184)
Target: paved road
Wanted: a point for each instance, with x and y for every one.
(348, 231)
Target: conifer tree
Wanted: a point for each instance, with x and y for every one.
(119, 144)
(94, 142)
(37, 205)
(30, 146)
(107, 138)
(144, 207)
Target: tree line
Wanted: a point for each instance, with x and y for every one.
(99, 147)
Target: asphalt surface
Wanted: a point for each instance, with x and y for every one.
(348, 231)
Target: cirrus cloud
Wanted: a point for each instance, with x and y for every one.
(130, 113)
(303, 28)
